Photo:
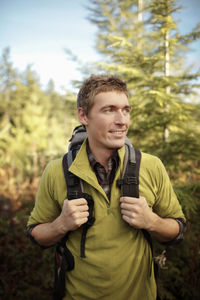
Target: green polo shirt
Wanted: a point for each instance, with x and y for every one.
(118, 263)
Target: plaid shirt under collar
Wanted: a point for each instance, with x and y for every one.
(105, 179)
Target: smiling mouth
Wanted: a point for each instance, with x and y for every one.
(117, 132)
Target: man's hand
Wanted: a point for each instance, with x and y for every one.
(74, 214)
(136, 212)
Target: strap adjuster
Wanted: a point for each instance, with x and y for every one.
(127, 181)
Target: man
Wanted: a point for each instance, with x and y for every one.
(118, 263)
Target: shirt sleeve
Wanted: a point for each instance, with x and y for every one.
(46, 208)
(180, 236)
(166, 203)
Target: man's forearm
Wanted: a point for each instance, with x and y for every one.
(163, 229)
(48, 234)
(74, 213)
(137, 213)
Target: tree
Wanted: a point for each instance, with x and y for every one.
(141, 42)
(7, 76)
(34, 125)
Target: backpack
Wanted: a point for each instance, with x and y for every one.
(129, 185)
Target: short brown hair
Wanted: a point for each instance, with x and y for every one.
(96, 84)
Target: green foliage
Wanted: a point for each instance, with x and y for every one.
(181, 277)
(26, 270)
(34, 125)
(34, 128)
(140, 41)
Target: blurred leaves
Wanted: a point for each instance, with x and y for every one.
(26, 270)
(34, 124)
(140, 41)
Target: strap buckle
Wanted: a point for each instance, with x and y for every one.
(127, 181)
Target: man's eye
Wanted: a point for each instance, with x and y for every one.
(108, 109)
(126, 110)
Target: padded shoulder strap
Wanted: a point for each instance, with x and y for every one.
(129, 184)
(73, 182)
(74, 191)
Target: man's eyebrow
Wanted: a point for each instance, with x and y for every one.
(114, 106)
(105, 106)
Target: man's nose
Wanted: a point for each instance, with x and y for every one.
(120, 118)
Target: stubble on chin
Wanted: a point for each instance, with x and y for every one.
(115, 146)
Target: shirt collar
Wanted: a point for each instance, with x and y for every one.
(93, 161)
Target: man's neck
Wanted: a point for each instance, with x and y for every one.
(102, 155)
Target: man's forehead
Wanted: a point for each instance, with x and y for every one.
(110, 96)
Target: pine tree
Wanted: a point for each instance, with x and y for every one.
(7, 77)
(141, 42)
(35, 126)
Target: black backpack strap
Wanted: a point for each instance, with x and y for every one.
(89, 223)
(64, 260)
(78, 136)
(129, 184)
(73, 182)
(74, 191)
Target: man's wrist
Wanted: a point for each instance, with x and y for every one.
(60, 226)
(163, 229)
(154, 223)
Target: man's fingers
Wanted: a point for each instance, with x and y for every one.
(83, 221)
(126, 218)
(128, 213)
(74, 213)
(79, 218)
(80, 215)
(77, 202)
(82, 208)
(127, 206)
(130, 200)
(76, 205)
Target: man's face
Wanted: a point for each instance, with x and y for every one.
(108, 120)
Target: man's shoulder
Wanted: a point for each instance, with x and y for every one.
(149, 157)
(54, 166)
(149, 161)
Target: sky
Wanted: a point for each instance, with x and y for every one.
(38, 32)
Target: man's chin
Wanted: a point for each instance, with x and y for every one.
(117, 144)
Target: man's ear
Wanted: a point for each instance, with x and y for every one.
(82, 116)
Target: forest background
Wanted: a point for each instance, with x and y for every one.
(140, 41)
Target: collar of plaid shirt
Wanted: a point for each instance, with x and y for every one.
(105, 179)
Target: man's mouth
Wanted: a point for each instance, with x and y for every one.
(117, 132)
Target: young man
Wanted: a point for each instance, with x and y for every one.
(118, 263)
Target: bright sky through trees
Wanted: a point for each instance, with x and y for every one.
(38, 31)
